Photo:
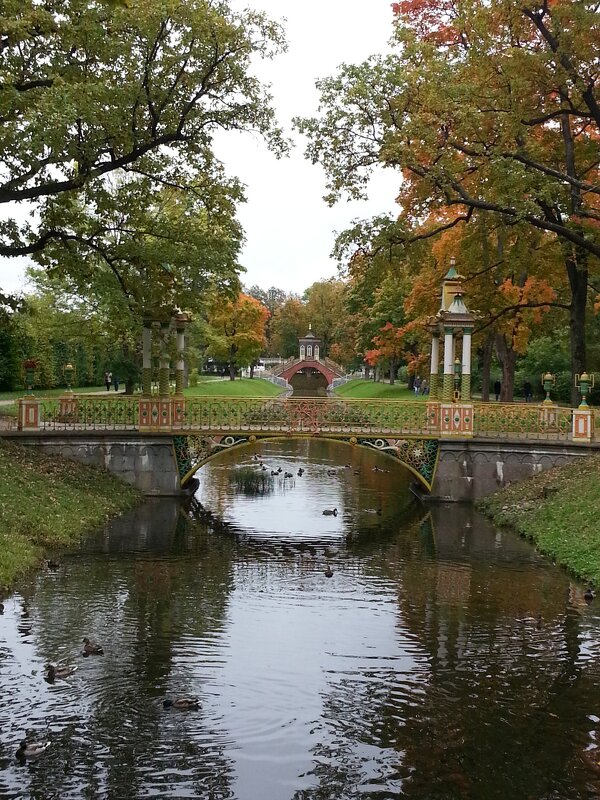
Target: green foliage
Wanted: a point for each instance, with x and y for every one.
(559, 511)
(69, 500)
(91, 88)
(193, 378)
(252, 482)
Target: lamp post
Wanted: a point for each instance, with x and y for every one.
(548, 382)
(29, 367)
(457, 375)
(68, 371)
(584, 383)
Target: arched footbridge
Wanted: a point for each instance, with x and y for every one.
(455, 451)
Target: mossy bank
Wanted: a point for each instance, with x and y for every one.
(46, 505)
(559, 510)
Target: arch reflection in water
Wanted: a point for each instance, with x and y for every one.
(420, 669)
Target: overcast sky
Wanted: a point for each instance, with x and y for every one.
(290, 231)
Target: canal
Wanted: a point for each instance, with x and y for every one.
(442, 659)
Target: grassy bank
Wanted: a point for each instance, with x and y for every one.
(240, 387)
(559, 511)
(361, 389)
(48, 504)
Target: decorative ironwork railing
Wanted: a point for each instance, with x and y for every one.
(522, 421)
(90, 413)
(302, 416)
(308, 416)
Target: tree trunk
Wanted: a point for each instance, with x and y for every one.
(231, 371)
(129, 386)
(392, 371)
(508, 359)
(578, 281)
(252, 370)
(486, 367)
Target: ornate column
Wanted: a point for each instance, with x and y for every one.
(448, 384)
(465, 388)
(180, 323)
(435, 363)
(147, 359)
(164, 366)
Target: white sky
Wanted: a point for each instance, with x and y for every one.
(290, 230)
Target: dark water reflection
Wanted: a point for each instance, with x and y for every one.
(443, 659)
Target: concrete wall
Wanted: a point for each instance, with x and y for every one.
(468, 470)
(147, 462)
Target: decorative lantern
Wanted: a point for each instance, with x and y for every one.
(68, 371)
(584, 383)
(29, 368)
(548, 382)
(457, 376)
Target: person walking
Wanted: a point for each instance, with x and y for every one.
(107, 381)
(527, 391)
(497, 389)
(116, 383)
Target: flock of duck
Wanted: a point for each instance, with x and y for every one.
(31, 748)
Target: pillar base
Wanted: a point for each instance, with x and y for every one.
(155, 414)
(67, 408)
(456, 419)
(583, 425)
(30, 416)
(433, 416)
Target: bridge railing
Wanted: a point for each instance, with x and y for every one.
(89, 413)
(223, 415)
(522, 421)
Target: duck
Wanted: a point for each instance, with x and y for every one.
(183, 703)
(331, 472)
(31, 749)
(589, 594)
(52, 564)
(91, 648)
(274, 472)
(287, 475)
(60, 672)
(328, 572)
(1, 608)
(300, 472)
(330, 512)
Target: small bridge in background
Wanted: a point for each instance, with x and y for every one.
(456, 451)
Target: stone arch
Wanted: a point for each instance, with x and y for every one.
(418, 456)
(317, 365)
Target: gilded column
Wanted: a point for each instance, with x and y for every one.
(465, 388)
(147, 359)
(448, 384)
(435, 360)
(165, 361)
(179, 365)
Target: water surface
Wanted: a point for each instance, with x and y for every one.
(443, 659)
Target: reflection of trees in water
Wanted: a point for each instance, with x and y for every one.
(495, 704)
(110, 731)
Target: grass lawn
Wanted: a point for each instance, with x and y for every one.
(51, 392)
(361, 389)
(240, 387)
(48, 504)
(559, 511)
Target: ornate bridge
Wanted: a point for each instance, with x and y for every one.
(413, 433)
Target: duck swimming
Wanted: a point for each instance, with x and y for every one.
(60, 672)
(589, 594)
(31, 749)
(183, 703)
(330, 512)
(328, 572)
(91, 648)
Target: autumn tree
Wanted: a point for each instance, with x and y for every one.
(290, 321)
(236, 330)
(482, 107)
(272, 299)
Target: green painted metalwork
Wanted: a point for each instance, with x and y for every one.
(465, 388)
(448, 388)
(419, 455)
(434, 384)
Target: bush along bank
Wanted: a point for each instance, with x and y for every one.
(48, 504)
(559, 510)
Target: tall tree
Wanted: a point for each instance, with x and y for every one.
(93, 86)
(236, 331)
(488, 107)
